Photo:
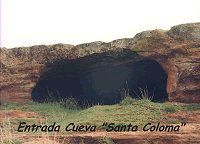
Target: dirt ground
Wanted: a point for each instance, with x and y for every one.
(17, 114)
(187, 134)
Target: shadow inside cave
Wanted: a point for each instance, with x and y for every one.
(101, 79)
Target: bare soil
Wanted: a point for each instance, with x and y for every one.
(187, 134)
(17, 114)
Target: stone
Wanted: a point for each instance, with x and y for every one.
(176, 50)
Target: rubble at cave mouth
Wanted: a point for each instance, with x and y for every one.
(101, 80)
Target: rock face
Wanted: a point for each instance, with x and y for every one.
(177, 51)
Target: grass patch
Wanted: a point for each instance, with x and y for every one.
(169, 108)
(129, 110)
(6, 136)
(127, 101)
(70, 103)
(13, 106)
(191, 107)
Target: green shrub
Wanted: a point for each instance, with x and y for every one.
(191, 107)
(127, 101)
(170, 109)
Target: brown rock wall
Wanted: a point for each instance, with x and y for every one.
(176, 50)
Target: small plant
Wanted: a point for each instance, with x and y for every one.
(145, 94)
(170, 109)
(124, 92)
(69, 103)
(106, 140)
(6, 136)
(52, 96)
(127, 101)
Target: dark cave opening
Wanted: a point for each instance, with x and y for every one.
(101, 83)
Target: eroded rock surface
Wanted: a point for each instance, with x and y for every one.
(176, 50)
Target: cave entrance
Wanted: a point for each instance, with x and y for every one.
(98, 83)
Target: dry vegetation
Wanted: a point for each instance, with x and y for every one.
(128, 111)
